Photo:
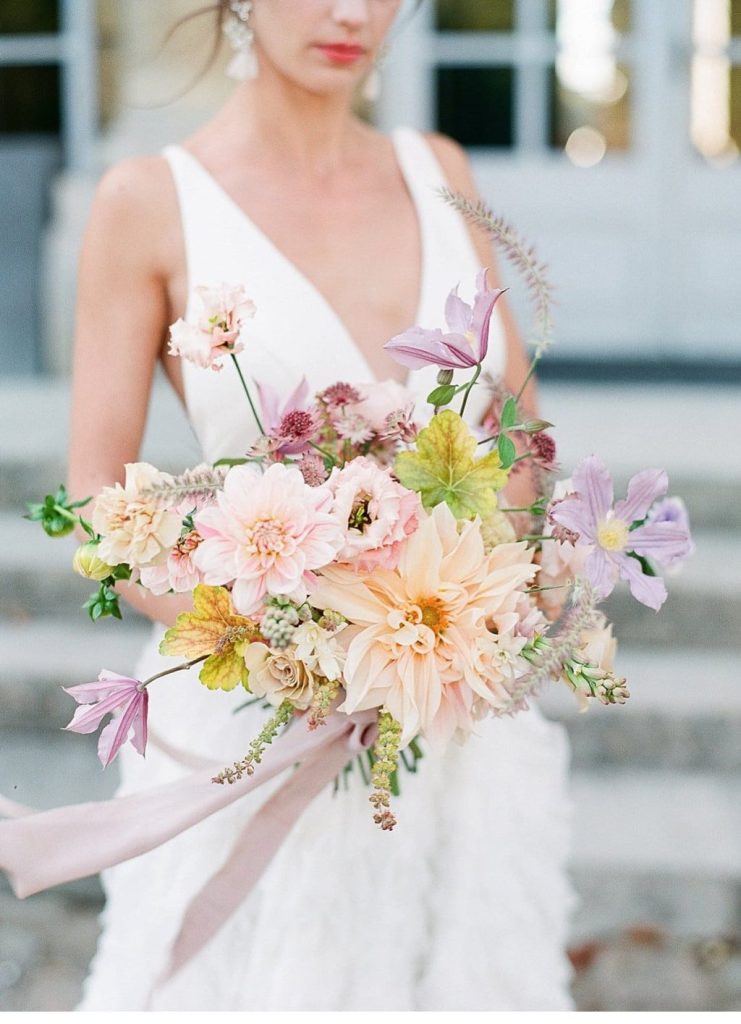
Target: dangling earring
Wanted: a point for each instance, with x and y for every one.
(371, 90)
(236, 28)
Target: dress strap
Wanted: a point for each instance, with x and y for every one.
(445, 231)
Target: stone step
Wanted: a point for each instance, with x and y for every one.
(660, 848)
(684, 713)
(40, 657)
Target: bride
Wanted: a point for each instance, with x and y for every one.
(339, 237)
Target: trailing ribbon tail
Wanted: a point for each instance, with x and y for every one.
(257, 843)
(43, 849)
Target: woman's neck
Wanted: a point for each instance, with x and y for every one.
(311, 133)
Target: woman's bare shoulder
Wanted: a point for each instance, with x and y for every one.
(135, 200)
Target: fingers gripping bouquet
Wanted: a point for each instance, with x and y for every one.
(356, 560)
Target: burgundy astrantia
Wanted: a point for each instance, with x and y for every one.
(103, 697)
(467, 341)
(590, 513)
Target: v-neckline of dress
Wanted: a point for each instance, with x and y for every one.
(293, 268)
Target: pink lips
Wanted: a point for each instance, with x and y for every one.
(342, 53)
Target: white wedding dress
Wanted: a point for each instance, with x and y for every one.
(465, 904)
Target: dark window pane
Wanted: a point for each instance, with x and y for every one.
(29, 99)
(603, 111)
(474, 105)
(475, 15)
(620, 14)
(735, 90)
(29, 16)
(736, 17)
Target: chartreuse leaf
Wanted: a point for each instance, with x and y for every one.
(444, 468)
(215, 629)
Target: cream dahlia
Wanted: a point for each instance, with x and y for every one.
(419, 644)
(133, 529)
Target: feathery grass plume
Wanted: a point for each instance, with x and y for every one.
(520, 255)
(257, 747)
(552, 653)
(324, 694)
(197, 486)
(386, 755)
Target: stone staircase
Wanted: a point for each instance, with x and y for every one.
(657, 819)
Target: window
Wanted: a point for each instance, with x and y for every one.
(715, 102)
(535, 75)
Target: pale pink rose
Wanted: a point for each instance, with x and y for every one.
(179, 572)
(134, 530)
(378, 401)
(560, 561)
(266, 534)
(217, 331)
(378, 512)
(598, 646)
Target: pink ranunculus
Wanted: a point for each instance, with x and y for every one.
(380, 514)
(179, 572)
(266, 534)
(217, 331)
(378, 400)
(103, 697)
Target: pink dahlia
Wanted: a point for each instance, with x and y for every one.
(266, 534)
(378, 511)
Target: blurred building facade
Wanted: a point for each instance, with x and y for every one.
(607, 131)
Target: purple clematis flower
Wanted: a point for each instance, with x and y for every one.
(105, 696)
(671, 510)
(590, 514)
(464, 346)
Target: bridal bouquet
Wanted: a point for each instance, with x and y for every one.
(359, 557)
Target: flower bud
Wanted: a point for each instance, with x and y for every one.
(444, 376)
(535, 426)
(87, 563)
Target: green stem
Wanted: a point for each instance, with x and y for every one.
(470, 384)
(66, 514)
(177, 668)
(249, 396)
(529, 374)
(324, 452)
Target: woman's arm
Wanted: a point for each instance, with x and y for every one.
(122, 316)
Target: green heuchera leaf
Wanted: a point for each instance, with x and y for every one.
(508, 417)
(507, 450)
(444, 468)
(442, 395)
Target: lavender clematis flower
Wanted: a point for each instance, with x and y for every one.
(288, 425)
(105, 696)
(590, 514)
(467, 341)
(672, 510)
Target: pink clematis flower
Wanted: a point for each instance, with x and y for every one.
(589, 513)
(103, 697)
(288, 427)
(217, 331)
(467, 341)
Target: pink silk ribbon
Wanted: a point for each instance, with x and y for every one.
(83, 839)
